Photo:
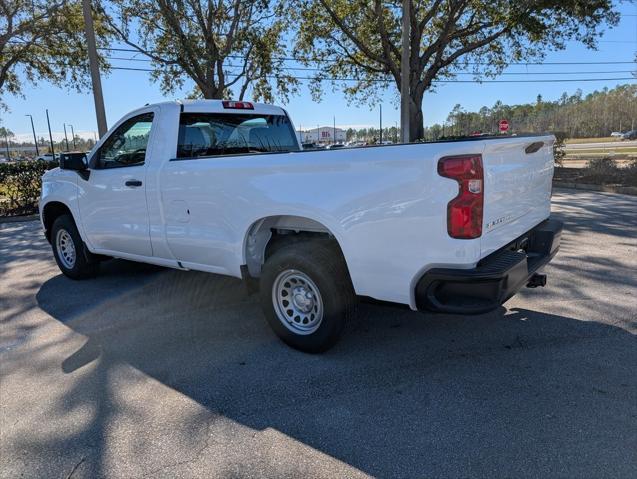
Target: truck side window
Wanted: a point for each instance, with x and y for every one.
(219, 134)
(127, 144)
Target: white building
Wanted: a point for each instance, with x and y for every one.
(323, 134)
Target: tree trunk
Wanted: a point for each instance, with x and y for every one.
(210, 91)
(416, 119)
(416, 128)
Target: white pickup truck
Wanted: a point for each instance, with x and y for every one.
(224, 187)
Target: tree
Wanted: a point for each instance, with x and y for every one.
(6, 133)
(361, 39)
(41, 40)
(595, 115)
(224, 47)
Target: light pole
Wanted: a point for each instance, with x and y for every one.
(50, 135)
(334, 130)
(66, 140)
(380, 141)
(73, 135)
(35, 140)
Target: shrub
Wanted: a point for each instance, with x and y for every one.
(629, 173)
(20, 185)
(631, 168)
(558, 148)
(602, 166)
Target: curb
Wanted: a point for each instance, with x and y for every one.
(18, 219)
(622, 190)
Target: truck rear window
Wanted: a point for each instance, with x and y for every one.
(219, 134)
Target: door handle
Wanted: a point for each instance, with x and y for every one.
(132, 183)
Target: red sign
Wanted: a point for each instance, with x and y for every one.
(504, 125)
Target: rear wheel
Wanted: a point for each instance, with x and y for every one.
(70, 252)
(307, 295)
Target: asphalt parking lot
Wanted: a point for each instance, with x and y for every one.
(151, 372)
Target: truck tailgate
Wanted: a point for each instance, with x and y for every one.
(517, 185)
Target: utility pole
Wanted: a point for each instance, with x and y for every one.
(50, 135)
(66, 140)
(404, 73)
(73, 135)
(35, 140)
(94, 66)
(334, 130)
(380, 141)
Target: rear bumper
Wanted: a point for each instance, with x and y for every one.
(495, 279)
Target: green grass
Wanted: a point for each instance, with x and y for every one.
(603, 151)
(605, 139)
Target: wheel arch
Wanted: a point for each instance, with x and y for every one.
(50, 212)
(266, 234)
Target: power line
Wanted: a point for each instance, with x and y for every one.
(563, 80)
(455, 73)
(332, 60)
(327, 60)
(597, 72)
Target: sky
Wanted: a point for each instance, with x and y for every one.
(127, 90)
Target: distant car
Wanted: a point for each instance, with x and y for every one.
(311, 146)
(49, 157)
(616, 134)
(630, 135)
(334, 146)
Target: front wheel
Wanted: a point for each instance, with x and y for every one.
(307, 295)
(69, 250)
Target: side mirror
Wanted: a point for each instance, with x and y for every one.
(73, 161)
(76, 162)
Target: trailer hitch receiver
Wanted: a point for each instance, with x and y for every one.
(536, 280)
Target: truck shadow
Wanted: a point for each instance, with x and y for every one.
(403, 394)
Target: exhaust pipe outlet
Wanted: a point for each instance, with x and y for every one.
(536, 280)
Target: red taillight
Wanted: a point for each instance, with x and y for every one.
(238, 105)
(464, 212)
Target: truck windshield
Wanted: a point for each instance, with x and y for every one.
(218, 134)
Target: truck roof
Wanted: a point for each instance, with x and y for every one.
(217, 106)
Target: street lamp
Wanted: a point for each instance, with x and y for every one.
(66, 140)
(48, 122)
(73, 135)
(35, 140)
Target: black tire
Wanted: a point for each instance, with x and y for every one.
(84, 265)
(323, 264)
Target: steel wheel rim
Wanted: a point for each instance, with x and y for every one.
(66, 248)
(297, 302)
